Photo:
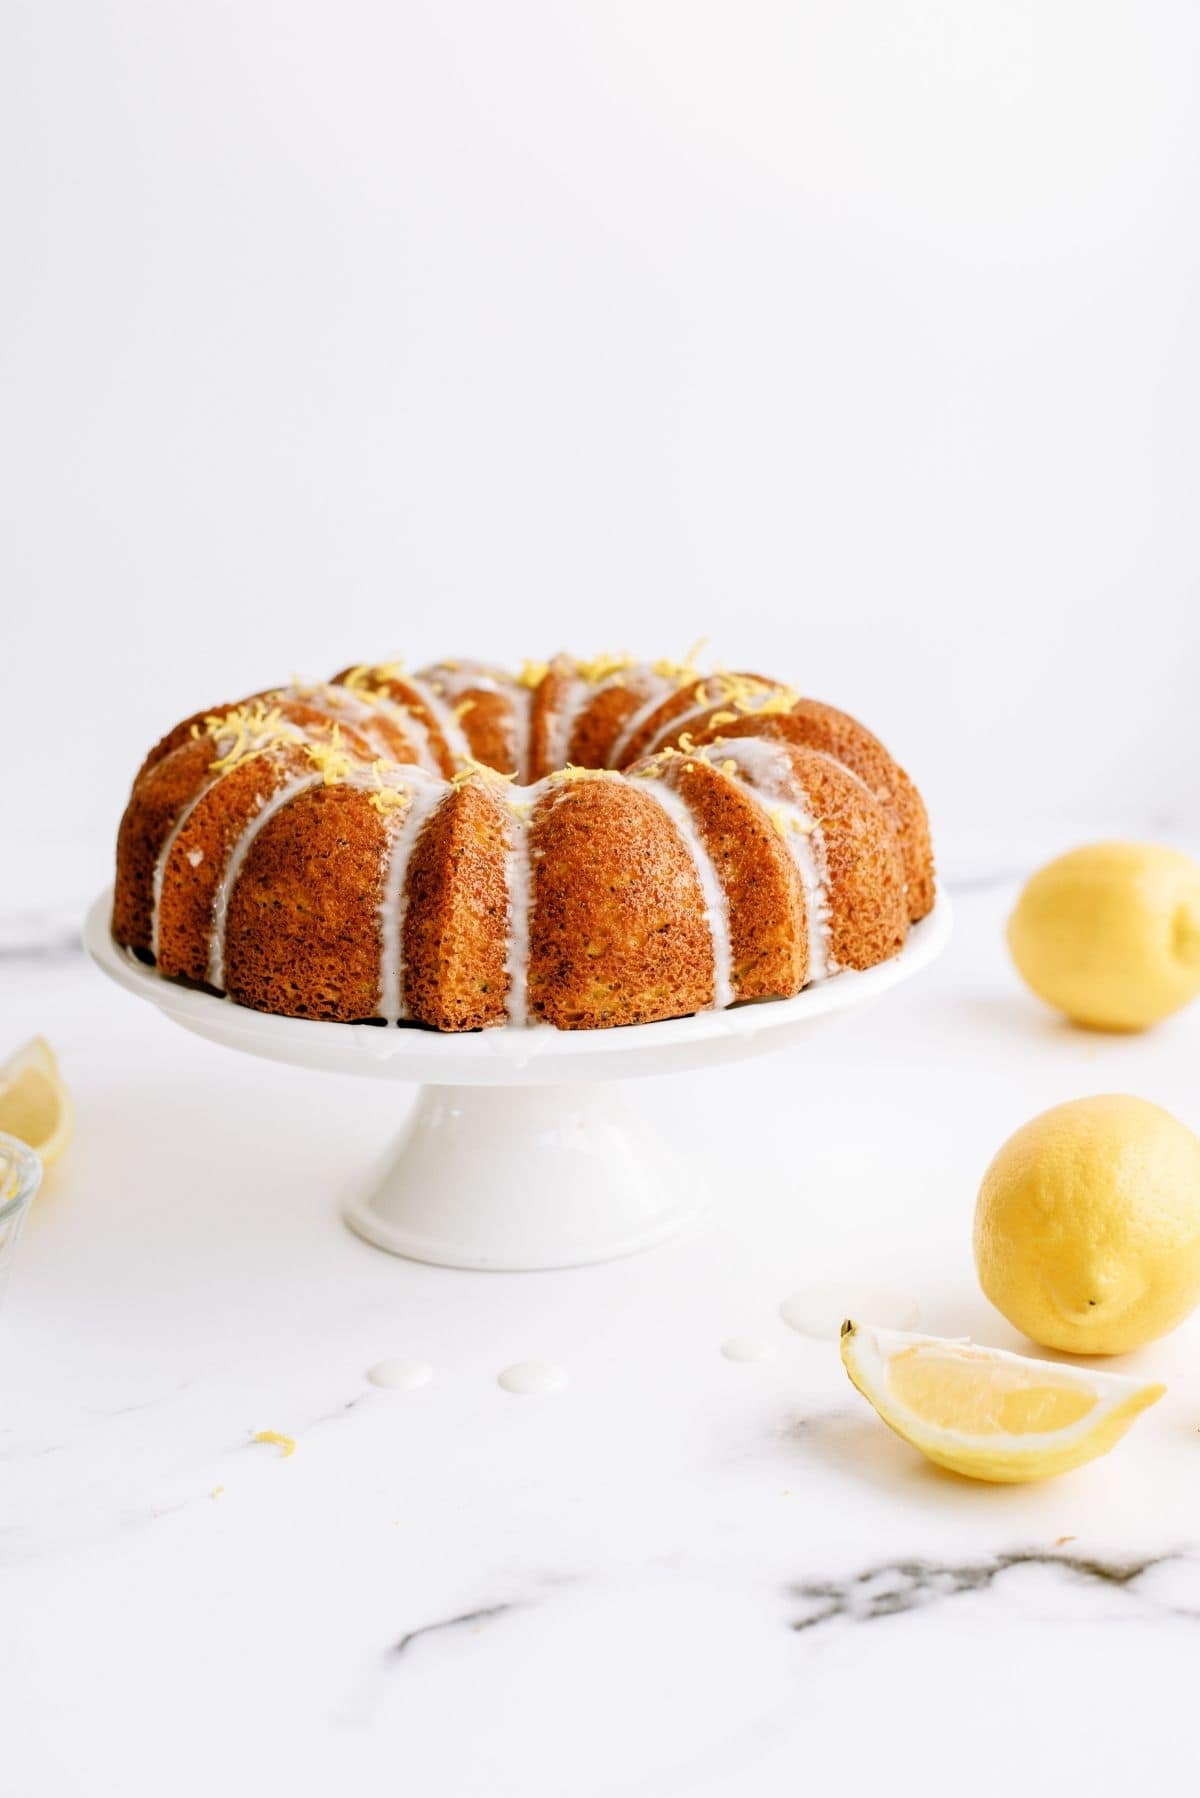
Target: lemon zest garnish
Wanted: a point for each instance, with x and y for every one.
(387, 798)
(368, 681)
(601, 667)
(216, 1492)
(250, 729)
(330, 759)
(719, 718)
(463, 707)
(470, 769)
(570, 774)
(532, 674)
(285, 1444)
(775, 703)
(729, 766)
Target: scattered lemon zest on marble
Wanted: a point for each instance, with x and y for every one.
(285, 1444)
(216, 1492)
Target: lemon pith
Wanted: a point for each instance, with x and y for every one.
(1110, 934)
(1087, 1225)
(35, 1105)
(988, 1414)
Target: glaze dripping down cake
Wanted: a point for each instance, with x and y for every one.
(580, 844)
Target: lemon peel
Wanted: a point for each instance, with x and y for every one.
(1110, 934)
(1087, 1225)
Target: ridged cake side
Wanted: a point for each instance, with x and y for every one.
(360, 851)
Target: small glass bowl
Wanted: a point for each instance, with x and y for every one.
(20, 1177)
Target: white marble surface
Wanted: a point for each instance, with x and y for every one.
(683, 1574)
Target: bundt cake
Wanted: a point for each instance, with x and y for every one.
(580, 844)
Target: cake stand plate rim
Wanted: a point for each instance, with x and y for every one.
(539, 1055)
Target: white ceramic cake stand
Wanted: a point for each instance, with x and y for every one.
(520, 1151)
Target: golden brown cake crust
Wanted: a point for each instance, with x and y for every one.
(455, 919)
(166, 786)
(617, 934)
(302, 933)
(768, 922)
(327, 852)
(810, 724)
(194, 869)
(869, 916)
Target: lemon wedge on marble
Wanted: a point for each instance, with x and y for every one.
(35, 1105)
(988, 1414)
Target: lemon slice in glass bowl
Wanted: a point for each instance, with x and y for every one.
(35, 1105)
(988, 1414)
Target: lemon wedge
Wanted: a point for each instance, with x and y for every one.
(988, 1414)
(35, 1106)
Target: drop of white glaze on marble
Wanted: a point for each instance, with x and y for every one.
(747, 1348)
(533, 1379)
(819, 1310)
(400, 1375)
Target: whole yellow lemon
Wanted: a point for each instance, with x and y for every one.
(1087, 1225)
(1110, 934)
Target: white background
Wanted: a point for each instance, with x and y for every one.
(861, 337)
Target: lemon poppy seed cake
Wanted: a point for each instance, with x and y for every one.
(580, 844)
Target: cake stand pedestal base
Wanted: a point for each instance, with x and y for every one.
(527, 1177)
(521, 1153)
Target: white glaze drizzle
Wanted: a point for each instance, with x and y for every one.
(748, 1348)
(456, 678)
(671, 732)
(773, 778)
(639, 717)
(267, 809)
(562, 724)
(747, 708)
(716, 900)
(164, 855)
(418, 733)
(443, 716)
(522, 728)
(533, 1379)
(464, 677)
(347, 705)
(424, 799)
(519, 882)
(400, 1374)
